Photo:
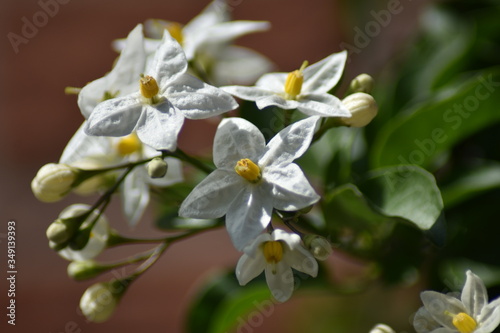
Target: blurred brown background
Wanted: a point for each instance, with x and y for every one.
(37, 120)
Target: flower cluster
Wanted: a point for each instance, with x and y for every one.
(128, 143)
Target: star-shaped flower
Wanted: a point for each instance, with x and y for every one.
(92, 152)
(251, 178)
(471, 313)
(276, 254)
(305, 89)
(122, 79)
(207, 39)
(165, 96)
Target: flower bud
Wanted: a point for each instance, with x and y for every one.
(362, 83)
(381, 328)
(319, 246)
(363, 109)
(54, 181)
(85, 243)
(85, 269)
(60, 232)
(157, 168)
(99, 301)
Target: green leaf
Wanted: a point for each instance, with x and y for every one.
(420, 135)
(404, 193)
(472, 183)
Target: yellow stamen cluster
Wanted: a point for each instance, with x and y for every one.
(248, 170)
(175, 30)
(464, 323)
(149, 87)
(128, 145)
(273, 252)
(294, 80)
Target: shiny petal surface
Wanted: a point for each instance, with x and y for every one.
(235, 139)
(160, 125)
(325, 74)
(115, 117)
(198, 100)
(212, 197)
(290, 188)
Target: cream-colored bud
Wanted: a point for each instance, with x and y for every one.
(99, 301)
(362, 83)
(54, 181)
(157, 168)
(319, 246)
(363, 108)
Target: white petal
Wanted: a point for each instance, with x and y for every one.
(440, 305)
(82, 145)
(228, 31)
(123, 78)
(160, 125)
(290, 143)
(135, 196)
(235, 139)
(291, 189)
(489, 319)
(292, 240)
(324, 105)
(212, 197)
(474, 294)
(280, 280)
(273, 81)
(169, 62)
(301, 260)
(277, 100)
(115, 117)
(254, 249)
(249, 268)
(325, 74)
(423, 321)
(239, 65)
(248, 215)
(198, 100)
(248, 93)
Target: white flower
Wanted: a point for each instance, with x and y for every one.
(166, 96)
(305, 89)
(102, 152)
(208, 38)
(471, 313)
(98, 236)
(251, 178)
(276, 254)
(122, 79)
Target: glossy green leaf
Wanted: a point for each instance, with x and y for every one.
(403, 193)
(426, 131)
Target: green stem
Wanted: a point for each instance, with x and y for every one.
(178, 153)
(329, 123)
